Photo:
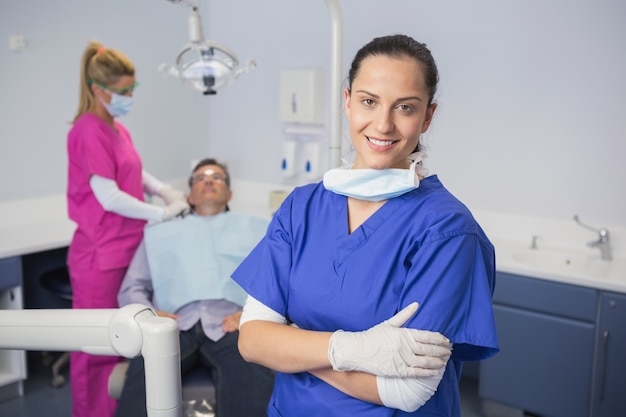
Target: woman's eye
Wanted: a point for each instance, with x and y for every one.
(368, 101)
(405, 108)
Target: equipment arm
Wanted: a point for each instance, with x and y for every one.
(129, 331)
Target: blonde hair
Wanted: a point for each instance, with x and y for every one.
(100, 65)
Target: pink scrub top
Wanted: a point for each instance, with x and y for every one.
(103, 240)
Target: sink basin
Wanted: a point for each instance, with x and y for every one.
(571, 265)
(562, 262)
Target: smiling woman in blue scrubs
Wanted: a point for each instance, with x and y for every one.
(343, 256)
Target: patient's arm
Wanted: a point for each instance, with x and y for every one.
(162, 313)
(231, 322)
(137, 284)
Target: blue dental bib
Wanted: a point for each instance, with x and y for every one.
(193, 258)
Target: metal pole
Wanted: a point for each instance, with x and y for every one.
(336, 45)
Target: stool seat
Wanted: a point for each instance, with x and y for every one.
(57, 281)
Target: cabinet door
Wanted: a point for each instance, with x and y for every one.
(12, 362)
(610, 391)
(544, 365)
(10, 273)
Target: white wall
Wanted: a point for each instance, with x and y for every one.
(39, 88)
(531, 92)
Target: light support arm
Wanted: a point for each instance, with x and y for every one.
(204, 65)
(336, 53)
(129, 331)
(185, 2)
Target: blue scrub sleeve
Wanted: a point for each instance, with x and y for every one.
(453, 280)
(264, 274)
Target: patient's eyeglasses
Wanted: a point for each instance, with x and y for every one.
(209, 173)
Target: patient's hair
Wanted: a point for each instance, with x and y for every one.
(100, 65)
(210, 161)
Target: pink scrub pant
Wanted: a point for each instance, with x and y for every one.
(89, 374)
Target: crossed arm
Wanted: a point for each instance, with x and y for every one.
(267, 339)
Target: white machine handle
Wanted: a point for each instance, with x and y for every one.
(129, 331)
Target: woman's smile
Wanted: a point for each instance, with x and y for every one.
(386, 143)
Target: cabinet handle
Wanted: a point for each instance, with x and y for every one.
(605, 352)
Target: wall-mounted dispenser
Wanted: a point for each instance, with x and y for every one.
(302, 96)
(312, 160)
(289, 163)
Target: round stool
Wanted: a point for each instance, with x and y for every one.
(57, 281)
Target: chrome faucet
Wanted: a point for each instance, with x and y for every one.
(602, 243)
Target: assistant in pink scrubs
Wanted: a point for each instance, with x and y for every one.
(105, 197)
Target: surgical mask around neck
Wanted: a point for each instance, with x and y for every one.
(120, 105)
(375, 184)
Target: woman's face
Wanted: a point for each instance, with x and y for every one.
(124, 86)
(388, 110)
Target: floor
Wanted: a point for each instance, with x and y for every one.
(41, 399)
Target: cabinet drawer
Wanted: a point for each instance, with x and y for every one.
(10, 272)
(544, 365)
(546, 296)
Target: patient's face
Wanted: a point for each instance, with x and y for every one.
(209, 187)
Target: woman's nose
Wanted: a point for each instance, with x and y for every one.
(384, 121)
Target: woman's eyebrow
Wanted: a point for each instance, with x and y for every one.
(367, 92)
(398, 99)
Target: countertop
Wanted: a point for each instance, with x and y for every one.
(586, 269)
(561, 255)
(34, 225)
(560, 251)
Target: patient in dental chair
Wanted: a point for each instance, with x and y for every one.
(182, 270)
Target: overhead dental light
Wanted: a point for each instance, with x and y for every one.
(204, 65)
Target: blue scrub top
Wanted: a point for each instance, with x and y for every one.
(423, 246)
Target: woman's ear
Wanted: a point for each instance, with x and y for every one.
(346, 102)
(430, 113)
(98, 92)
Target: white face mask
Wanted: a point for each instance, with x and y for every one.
(119, 106)
(375, 184)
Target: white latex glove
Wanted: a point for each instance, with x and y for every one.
(407, 394)
(177, 208)
(388, 349)
(170, 195)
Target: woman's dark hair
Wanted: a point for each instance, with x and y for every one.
(397, 46)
